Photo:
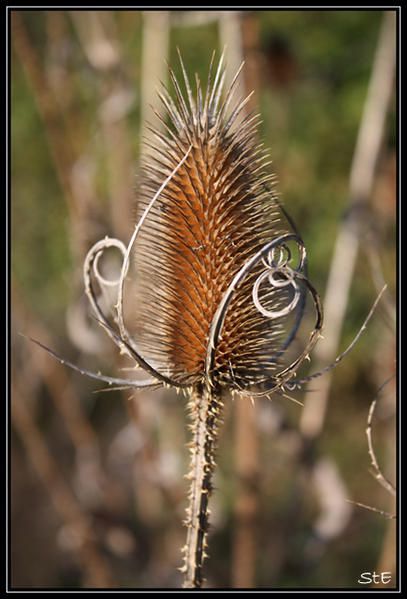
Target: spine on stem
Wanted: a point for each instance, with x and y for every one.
(205, 407)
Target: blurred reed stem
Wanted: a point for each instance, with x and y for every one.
(100, 43)
(58, 137)
(61, 391)
(239, 33)
(369, 142)
(96, 568)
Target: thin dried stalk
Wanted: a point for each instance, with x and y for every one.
(96, 568)
(376, 471)
(370, 508)
(71, 168)
(205, 406)
(100, 42)
(155, 49)
(246, 509)
(368, 145)
(239, 35)
(60, 387)
(58, 137)
(378, 279)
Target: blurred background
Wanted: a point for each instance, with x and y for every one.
(97, 488)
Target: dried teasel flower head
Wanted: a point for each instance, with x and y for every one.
(217, 212)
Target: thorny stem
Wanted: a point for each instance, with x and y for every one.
(205, 406)
(377, 473)
(373, 509)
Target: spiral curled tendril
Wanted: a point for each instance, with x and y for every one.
(96, 252)
(281, 276)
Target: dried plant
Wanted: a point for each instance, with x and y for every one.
(220, 274)
(375, 468)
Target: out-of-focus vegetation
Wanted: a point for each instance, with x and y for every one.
(75, 128)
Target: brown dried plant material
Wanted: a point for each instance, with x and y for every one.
(216, 212)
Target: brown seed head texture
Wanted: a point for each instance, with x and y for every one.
(216, 212)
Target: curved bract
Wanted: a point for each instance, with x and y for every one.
(279, 275)
(277, 272)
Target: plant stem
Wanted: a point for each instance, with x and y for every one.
(246, 506)
(205, 406)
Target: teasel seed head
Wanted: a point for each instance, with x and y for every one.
(215, 213)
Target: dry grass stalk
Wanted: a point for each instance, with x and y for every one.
(58, 136)
(239, 34)
(96, 569)
(363, 170)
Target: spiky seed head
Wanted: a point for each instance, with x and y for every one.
(216, 212)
